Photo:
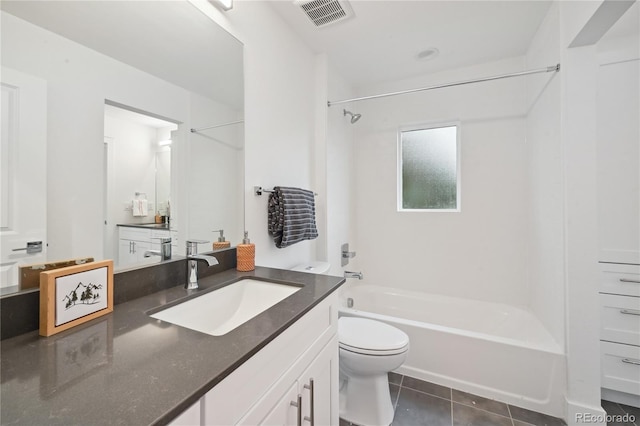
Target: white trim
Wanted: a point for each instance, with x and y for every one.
(587, 413)
(427, 126)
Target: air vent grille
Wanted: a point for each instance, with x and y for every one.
(325, 12)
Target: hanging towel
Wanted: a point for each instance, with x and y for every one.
(292, 216)
(140, 208)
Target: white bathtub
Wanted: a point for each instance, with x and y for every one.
(490, 349)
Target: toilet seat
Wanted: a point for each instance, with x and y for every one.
(370, 337)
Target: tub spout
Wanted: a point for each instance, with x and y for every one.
(349, 274)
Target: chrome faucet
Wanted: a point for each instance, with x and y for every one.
(164, 252)
(349, 274)
(192, 266)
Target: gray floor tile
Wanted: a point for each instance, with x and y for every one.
(394, 390)
(419, 409)
(519, 423)
(480, 402)
(464, 415)
(635, 411)
(343, 422)
(395, 378)
(426, 387)
(614, 409)
(611, 408)
(536, 419)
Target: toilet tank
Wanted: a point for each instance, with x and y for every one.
(314, 267)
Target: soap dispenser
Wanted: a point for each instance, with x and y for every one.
(246, 255)
(221, 243)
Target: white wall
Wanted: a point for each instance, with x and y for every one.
(579, 118)
(544, 154)
(280, 87)
(215, 174)
(132, 149)
(340, 176)
(480, 252)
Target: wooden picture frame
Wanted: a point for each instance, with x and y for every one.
(74, 295)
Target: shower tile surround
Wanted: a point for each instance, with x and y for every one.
(417, 403)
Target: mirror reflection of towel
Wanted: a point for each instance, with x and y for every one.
(140, 208)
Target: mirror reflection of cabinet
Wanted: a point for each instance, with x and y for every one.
(135, 242)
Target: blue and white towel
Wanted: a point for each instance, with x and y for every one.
(292, 216)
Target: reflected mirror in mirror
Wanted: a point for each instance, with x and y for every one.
(138, 180)
(61, 62)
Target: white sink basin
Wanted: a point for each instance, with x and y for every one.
(220, 311)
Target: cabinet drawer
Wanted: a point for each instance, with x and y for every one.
(620, 367)
(620, 279)
(137, 234)
(160, 233)
(620, 319)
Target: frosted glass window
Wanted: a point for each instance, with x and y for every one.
(429, 169)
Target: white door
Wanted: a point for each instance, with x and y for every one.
(23, 165)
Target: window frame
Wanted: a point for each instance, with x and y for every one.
(399, 165)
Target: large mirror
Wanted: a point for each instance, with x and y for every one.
(122, 123)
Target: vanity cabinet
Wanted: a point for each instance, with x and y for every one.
(133, 242)
(308, 398)
(300, 366)
(620, 332)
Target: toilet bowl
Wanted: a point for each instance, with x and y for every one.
(369, 350)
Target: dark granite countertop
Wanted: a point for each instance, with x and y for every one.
(128, 368)
(165, 226)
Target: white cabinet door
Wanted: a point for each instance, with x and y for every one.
(126, 256)
(284, 412)
(318, 386)
(23, 172)
(618, 160)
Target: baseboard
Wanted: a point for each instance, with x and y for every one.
(621, 397)
(580, 414)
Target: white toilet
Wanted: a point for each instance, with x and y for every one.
(369, 350)
(313, 267)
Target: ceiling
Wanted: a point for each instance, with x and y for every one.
(171, 40)
(381, 42)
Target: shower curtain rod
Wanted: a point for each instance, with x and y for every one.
(554, 68)
(216, 126)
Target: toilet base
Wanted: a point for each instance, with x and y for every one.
(366, 400)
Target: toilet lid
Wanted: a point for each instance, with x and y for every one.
(371, 337)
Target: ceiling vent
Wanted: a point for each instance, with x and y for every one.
(326, 12)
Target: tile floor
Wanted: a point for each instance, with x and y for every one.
(614, 409)
(420, 403)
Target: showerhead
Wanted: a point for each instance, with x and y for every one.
(354, 117)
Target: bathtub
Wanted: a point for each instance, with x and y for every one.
(489, 349)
